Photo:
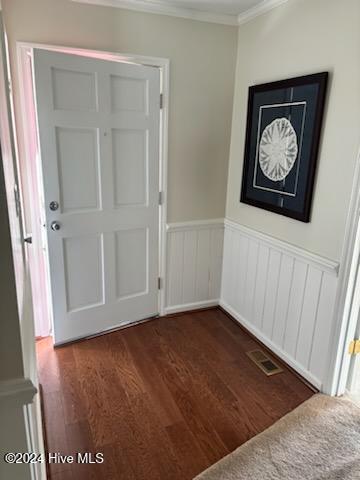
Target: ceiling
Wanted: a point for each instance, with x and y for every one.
(230, 12)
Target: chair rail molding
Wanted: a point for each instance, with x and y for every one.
(282, 294)
(18, 390)
(197, 224)
(318, 261)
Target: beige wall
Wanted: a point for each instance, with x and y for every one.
(202, 57)
(301, 37)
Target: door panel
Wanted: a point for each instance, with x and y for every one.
(83, 263)
(99, 139)
(132, 262)
(74, 90)
(130, 157)
(129, 94)
(78, 157)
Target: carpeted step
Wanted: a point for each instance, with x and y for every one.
(319, 440)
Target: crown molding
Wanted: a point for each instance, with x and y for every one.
(159, 7)
(263, 7)
(162, 9)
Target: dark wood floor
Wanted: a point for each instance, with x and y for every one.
(161, 400)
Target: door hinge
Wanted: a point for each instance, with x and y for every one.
(159, 283)
(354, 347)
(161, 198)
(161, 101)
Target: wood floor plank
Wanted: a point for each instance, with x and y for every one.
(184, 389)
(161, 400)
(155, 385)
(88, 357)
(274, 389)
(55, 429)
(64, 475)
(147, 424)
(212, 392)
(187, 449)
(237, 374)
(48, 366)
(73, 401)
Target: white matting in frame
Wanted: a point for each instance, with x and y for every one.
(280, 105)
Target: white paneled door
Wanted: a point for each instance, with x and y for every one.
(99, 140)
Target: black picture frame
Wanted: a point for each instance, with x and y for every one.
(304, 97)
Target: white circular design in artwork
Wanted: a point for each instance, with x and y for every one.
(278, 149)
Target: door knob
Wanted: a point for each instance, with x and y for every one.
(55, 226)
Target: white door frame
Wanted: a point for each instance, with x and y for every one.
(353, 378)
(26, 48)
(24, 401)
(345, 313)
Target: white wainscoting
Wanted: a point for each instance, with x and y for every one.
(194, 264)
(17, 433)
(284, 295)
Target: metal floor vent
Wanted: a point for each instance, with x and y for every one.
(264, 362)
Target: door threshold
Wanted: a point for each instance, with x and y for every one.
(106, 332)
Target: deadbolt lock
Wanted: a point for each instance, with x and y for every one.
(54, 205)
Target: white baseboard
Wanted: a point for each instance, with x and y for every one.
(274, 348)
(260, 336)
(191, 306)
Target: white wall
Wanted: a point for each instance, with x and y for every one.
(202, 70)
(298, 38)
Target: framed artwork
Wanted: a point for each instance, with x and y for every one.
(282, 140)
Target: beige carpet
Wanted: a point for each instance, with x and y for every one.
(320, 440)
